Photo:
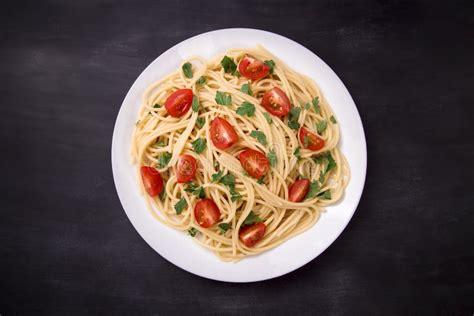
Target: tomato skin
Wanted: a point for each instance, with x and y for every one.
(179, 102)
(276, 102)
(251, 234)
(315, 142)
(152, 180)
(298, 190)
(206, 213)
(185, 168)
(223, 134)
(252, 68)
(254, 162)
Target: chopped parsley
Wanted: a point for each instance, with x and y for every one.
(202, 80)
(164, 159)
(199, 145)
(187, 70)
(163, 195)
(193, 231)
(268, 117)
(261, 179)
(196, 190)
(224, 226)
(333, 119)
(307, 106)
(157, 106)
(246, 89)
(260, 137)
(293, 118)
(180, 206)
(272, 158)
(223, 98)
(326, 195)
(200, 122)
(229, 65)
(252, 219)
(313, 190)
(316, 106)
(246, 108)
(321, 127)
(271, 64)
(229, 180)
(306, 141)
(159, 143)
(297, 153)
(217, 176)
(195, 104)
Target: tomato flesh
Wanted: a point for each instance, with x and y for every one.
(314, 142)
(298, 190)
(276, 102)
(223, 134)
(179, 102)
(251, 234)
(254, 162)
(152, 180)
(252, 68)
(186, 168)
(206, 213)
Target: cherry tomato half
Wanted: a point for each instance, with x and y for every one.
(223, 134)
(276, 102)
(252, 68)
(206, 213)
(185, 168)
(179, 102)
(254, 162)
(251, 234)
(313, 141)
(298, 190)
(152, 180)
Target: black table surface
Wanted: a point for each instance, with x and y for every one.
(66, 245)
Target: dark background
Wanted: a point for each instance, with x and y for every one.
(66, 245)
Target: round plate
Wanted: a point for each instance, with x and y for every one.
(178, 247)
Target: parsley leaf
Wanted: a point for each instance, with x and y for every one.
(180, 206)
(260, 137)
(223, 98)
(333, 119)
(217, 176)
(268, 117)
(229, 180)
(200, 122)
(157, 106)
(199, 145)
(235, 195)
(260, 180)
(272, 158)
(164, 159)
(246, 89)
(326, 195)
(297, 153)
(322, 158)
(237, 73)
(202, 80)
(313, 190)
(162, 195)
(316, 106)
(293, 118)
(246, 108)
(321, 127)
(252, 219)
(194, 189)
(193, 231)
(321, 177)
(305, 141)
(271, 64)
(195, 103)
(224, 226)
(307, 106)
(159, 143)
(229, 65)
(187, 70)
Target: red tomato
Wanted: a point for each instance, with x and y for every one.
(151, 180)
(186, 168)
(298, 190)
(206, 213)
(254, 162)
(252, 68)
(223, 134)
(276, 102)
(179, 102)
(314, 142)
(252, 234)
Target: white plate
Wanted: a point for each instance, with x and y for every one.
(178, 247)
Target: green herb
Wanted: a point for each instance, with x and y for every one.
(246, 89)
(195, 103)
(293, 118)
(272, 158)
(217, 176)
(268, 117)
(157, 106)
(159, 143)
(326, 157)
(202, 80)
(200, 122)
(224, 226)
(306, 141)
(307, 106)
(260, 137)
(193, 231)
(321, 127)
(235, 196)
(313, 190)
(187, 70)
(162, 195)
(260, 180)
(196, 190)
(246, 108)
(229, 180)
(331, 162)
(252, 219)
(199, 145)
(223, 98)
(316, 106)
(180, 206)
(297, 153)
(321, 177)
(164, 159)
(237, 73)
(228, 65)
(271, 64)
(326, 195)
(333, 119)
